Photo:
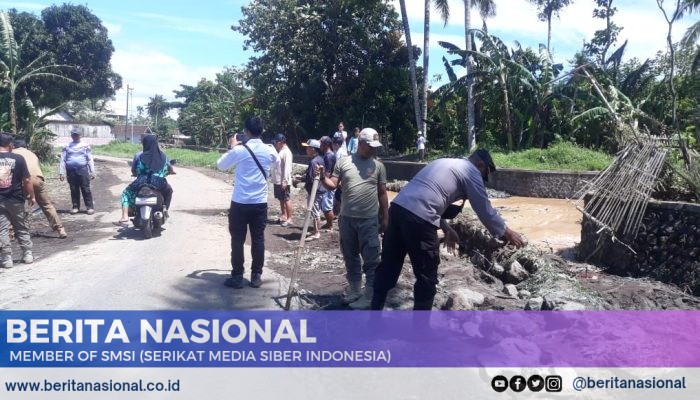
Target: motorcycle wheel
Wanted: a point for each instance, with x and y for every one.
(148, 228)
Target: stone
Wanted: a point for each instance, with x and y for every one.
(491, 280)
(524, 294)
(516, 273)
(571, 306)
(534, 304)
(471, 330)
(497, 270)
(510, 290)
(464, 299)
(548, 303)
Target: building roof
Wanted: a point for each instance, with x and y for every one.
(126, 129)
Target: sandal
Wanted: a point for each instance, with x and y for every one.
(123, 223)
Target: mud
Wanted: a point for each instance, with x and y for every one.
(551, 226)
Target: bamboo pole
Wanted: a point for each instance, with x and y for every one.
(300, 247)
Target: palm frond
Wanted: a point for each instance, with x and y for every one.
(487, 8)
(448, 68)
(616, 57)
(443, 7)
(633, 78)
(8, 45)
(451, 48)
(591, 113)
(692, 35)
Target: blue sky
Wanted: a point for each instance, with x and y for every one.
(161, 44)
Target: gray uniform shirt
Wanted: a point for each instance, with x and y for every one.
(443, 182)
(360, 179)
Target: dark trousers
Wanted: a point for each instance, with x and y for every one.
(240, 218)
(408, 234)
(79, 181)
(167, 191)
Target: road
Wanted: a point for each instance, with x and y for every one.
(115, 269)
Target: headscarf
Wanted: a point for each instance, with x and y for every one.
(152, 157)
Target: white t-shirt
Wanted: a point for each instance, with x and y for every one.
(420, 142)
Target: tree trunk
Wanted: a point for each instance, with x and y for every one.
(608, 42)
(506, 110)
(13, 112)
(549, 32)
(674, 95)
(411, 64)
(426, 60)
(471, 132)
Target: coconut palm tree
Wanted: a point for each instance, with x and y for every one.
(547, 9)
(157, 107)
(13, 75)
(487, 8)
(411, 63)
(444, 10)
(692, 35)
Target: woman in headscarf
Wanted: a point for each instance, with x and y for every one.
(150, 166)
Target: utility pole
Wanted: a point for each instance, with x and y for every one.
(129, 91)
(126, 115)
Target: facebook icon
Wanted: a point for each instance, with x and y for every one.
(517, 383)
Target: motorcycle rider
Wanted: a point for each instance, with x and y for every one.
(150, 166)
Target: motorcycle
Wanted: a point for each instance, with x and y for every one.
(149, 210)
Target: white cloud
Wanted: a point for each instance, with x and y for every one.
(22, 5)
(112, 28)
(151, 72)
(643, 25)
(216, 28)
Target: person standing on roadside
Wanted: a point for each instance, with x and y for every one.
(329, 160)
(40, 192)
(15, 188)
(417, 213)
(420, 146)
(344, 134)
(363, 215)
(352, 143)
(282, 178)
(78, 166)
(252, 161)
(313, 151)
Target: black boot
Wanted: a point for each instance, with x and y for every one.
(378, 300)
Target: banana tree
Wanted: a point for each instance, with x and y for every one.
(496, 66)
(13, 75)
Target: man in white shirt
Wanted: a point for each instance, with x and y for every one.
(282, 178)
(344, 134)
(252, 161)
(420, 146)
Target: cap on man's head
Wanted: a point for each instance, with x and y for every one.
(312, 143)
(370, 136)
(279, 138)
(325, 141)
(338, 138)
(485, 156)
(76, 130)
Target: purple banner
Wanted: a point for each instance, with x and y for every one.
(350, 339)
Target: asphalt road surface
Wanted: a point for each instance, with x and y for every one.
(103, 266)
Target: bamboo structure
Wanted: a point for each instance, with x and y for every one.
(620, 194)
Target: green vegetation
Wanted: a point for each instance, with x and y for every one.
(560, 156)
(184, 157)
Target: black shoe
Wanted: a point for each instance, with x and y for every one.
(235, 282)
(256, 280)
